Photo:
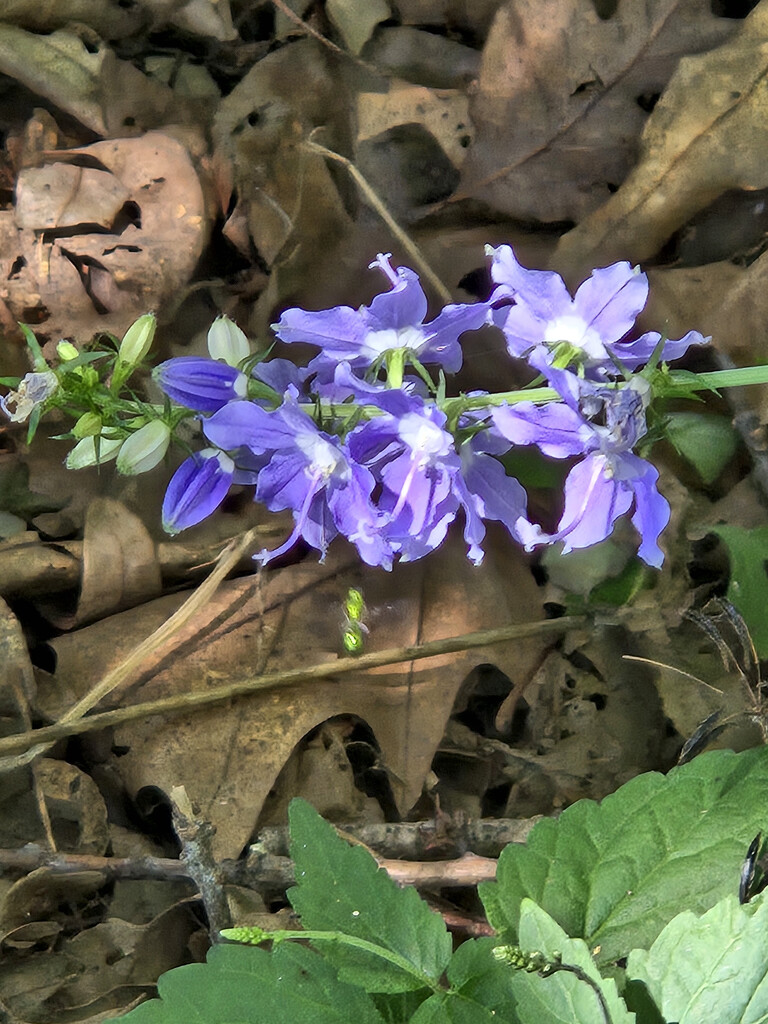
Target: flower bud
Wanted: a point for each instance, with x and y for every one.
(66, 351)
(89, 425)
(227, 342)
(85, 452)
(200, 384)
(197, 488)
(143, 450)
(137, 340)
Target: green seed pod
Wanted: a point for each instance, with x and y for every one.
(89, 425)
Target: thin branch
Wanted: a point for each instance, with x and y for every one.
(268, 872)
(378, 204)
(298, 21)
(188, 702)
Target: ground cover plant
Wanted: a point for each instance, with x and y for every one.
(381, 402)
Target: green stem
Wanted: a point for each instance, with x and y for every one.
(259, 936)
(684, 382)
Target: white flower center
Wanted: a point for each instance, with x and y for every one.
(378, 342)
(425, 439)
(572, 329)
(323, 459)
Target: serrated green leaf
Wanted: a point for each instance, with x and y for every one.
(483, 987)
(450, 1009)
(709, 968)
(341, 889)
(562, 997)
(748, 583)
(615, 873)
(708, 442)
(245, 985)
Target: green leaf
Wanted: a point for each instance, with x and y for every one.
(483, 989)
(615, 873)
(561, 996)
(244, 985)
(748, 584)
(341, 889)
(708, 442)
(709, 968)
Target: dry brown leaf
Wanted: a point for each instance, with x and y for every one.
(707, 134)
(17, 672)
(119, 569)
(288, 197)
(72, 283)
(104, 16)
(229, 757)
(443, 112)
(558, 104)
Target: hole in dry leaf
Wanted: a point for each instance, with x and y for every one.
(598, 699)
(35, 314)
(647, 100)
(16, 267)
(84, 265)
(732, 8)
(129, 214)
(43, 656)
(605, 9)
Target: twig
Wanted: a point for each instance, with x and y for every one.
(446, 837)
(189, 702)
(373, 198)
(266, 872)
(297, 20)
(196, 837)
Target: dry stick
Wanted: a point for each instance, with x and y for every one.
(270, 872)
(189, 702)
(196, 838)
(407, 243)
(226, 561)
(294, 17)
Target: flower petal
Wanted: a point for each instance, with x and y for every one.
(197, 488)
(611, 299)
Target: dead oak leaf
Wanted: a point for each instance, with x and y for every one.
(707, 134)
(101, 232)
(562, 96)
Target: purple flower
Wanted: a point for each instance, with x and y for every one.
(196, 490)
(486, 491)
(549, 328)
(201, 384)
(393, 321)
(415, 463)
(307, 471)
(603, 426)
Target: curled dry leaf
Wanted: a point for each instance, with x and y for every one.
(119, 565)
(17, 673)
(228, 757)
(560, 98)
(75, 282)
(708, 133)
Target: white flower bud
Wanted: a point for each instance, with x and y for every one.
(226, 341)
(137, 340)
(84, 453)
(143, 450)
